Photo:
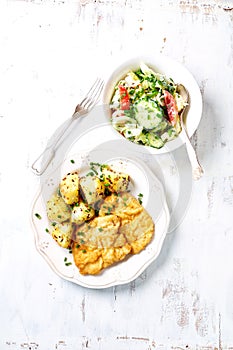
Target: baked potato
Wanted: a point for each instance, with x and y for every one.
(92, 189)
(115, 181)
(69, 188)
(62, 234)
(81, 213)
(57, 209)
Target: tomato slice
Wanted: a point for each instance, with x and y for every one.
(172, 109)
(124, 98)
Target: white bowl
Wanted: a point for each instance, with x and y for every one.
(171, 69)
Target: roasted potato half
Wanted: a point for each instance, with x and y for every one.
(69, 188)
(57, 209)
(115, 181)
(62, 233)
(81, 213)
(92, 189)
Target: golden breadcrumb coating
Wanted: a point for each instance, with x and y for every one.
(123, 227)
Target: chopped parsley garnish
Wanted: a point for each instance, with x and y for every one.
(109, 210)
(68, 263)
(65, 259)
(103, 166)
(94, 164)
(38, 216)
(77, 246)
(93, 169)
(47, 230)
(169, 131)
(100, 229)
(84, 251)
(54, 223)
(140, 196)
(72, 161)
(80, 233)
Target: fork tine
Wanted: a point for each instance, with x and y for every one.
(90, 91)
(92, 100)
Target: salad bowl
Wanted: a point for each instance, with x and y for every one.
(170, 69)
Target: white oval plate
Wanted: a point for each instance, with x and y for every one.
(154, 200)
(171, 69)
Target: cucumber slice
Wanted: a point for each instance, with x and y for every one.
(148, 114)
(142, 138)
(154, 140)
(162, 126)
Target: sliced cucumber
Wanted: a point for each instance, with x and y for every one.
(161, 127)
(148, 114)
(142, 138)
(154, 140)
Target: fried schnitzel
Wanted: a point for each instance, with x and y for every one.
(123, 227)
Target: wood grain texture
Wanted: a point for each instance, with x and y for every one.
(50, 52)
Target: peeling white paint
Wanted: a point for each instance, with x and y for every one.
(50, 51)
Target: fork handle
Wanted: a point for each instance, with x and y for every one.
(196, 166)
(47, 155)
(39, 167)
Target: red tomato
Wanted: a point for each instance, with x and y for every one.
(124, 98)
(171, 106)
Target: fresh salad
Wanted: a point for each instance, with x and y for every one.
(146, 106)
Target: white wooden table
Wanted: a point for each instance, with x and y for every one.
(49, 53)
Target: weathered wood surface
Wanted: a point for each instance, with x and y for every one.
(50, 51)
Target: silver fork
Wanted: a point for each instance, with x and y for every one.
(92, 97)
